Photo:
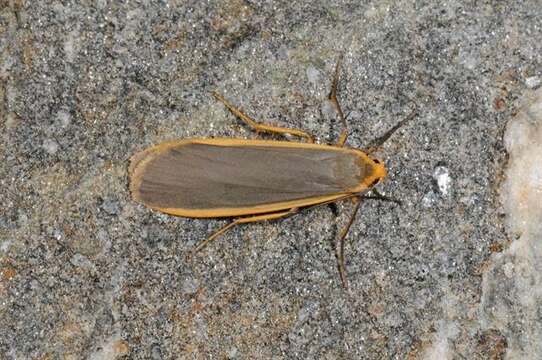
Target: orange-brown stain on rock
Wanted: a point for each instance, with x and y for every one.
(8, 273)
(121, 347)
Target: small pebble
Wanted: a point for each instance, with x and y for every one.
(50, 146)
(532, 81)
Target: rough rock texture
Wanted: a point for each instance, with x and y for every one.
(85, 272)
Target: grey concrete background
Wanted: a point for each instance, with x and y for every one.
(88, 273)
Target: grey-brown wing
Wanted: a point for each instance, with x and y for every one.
(205, 176)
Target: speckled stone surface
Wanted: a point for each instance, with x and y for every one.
(85, 272)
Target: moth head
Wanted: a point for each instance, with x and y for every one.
(378, 172)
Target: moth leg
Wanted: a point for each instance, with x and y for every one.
(262, 127)
(333, 98)
(245, 220)
(378, 196)
(342, 237)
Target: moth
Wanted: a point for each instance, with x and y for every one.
(257, 180)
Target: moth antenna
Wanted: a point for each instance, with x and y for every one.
(379, 141)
